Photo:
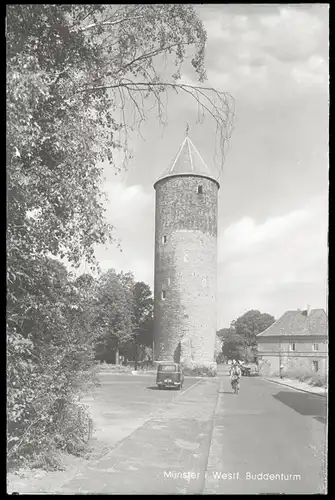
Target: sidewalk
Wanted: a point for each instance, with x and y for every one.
(159, 456)
(300, 386)
(166, 453)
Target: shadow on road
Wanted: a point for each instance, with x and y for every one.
(305, 404)
(226, 392)
(321, 419)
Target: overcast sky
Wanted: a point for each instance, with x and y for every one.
(273, 201)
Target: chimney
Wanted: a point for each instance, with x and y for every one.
(308, 310)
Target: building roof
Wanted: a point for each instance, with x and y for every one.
(187, 162)
(294, 323)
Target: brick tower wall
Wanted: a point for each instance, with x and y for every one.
(185, 269)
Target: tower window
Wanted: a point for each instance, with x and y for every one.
(168, 281)
(164, 239)
(163, 294)
(200, 189)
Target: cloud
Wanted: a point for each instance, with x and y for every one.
(130, 210)
(245, 236)
(292, 34)
(270, 55)
(281, 253)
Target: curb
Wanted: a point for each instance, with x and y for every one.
(295, 388)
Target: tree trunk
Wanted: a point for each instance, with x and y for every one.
(117, 356)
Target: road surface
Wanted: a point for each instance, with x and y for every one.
(204, 439)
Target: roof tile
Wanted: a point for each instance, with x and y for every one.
(298, 323)
(187, 161)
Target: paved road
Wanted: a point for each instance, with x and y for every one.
(124, 402)
(267, 429)
(185, 441)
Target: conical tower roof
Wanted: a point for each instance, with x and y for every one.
(187, 161)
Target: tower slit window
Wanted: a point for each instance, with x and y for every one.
(200, 190)
(164, 239)
(163, 294)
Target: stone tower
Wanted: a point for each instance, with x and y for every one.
(186, 261)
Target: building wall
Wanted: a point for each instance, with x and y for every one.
(274, 352)
(185, 269)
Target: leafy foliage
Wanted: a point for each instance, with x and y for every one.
(199, 371)
(76, 74)
(234, 347)
(49, 360)
(240, 340)
(223, 333)
(115, 310)
(251, 324)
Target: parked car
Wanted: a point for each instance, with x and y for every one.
(249, 369)
(169, 374)
(246, 370)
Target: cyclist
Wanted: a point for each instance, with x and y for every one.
(235, 375)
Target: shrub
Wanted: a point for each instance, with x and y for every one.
(308, 376)
(200, 371)
(318, 380)
(115, 368)
(43, 409)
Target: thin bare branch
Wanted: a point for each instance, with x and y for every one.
(149, 55)
(107, 23)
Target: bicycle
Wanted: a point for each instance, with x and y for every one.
(235, 386)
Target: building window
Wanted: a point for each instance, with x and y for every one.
(292, 347)
(200, 189)
(316, 366)
(163, 294)
(315, 347)
(164, 239)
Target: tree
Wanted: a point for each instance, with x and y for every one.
(233, 347)
(49, 361)
(70, 70)
(223, 333)
(142, 322)
(143, 303)
(115, 305)
(249, 325)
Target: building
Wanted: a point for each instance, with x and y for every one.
(185, 321)
(298, 341)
